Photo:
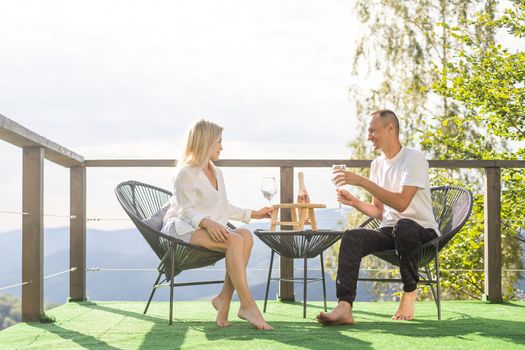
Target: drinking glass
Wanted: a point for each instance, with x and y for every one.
(335, 168)
(268, 188)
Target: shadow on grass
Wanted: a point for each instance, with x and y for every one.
(459, 326)
(160, 335)
(299, 304)
(305, 334)
(86, 341)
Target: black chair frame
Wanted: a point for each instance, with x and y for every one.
(446, 201)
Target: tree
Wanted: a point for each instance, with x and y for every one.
(487, 81)
(9, 311)
(401, 44)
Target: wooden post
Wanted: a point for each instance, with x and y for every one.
(286, 291)
(33, 233)
(77, 240)
(492, 257)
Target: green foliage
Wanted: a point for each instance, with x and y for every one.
(486, 80)
(10, 311)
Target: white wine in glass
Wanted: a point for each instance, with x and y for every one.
(336, 168)
(268, 188)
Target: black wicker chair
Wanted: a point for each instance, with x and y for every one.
(140, 201)
(452, 207)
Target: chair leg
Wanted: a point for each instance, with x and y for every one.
(438, 289)
(152, 292)
(324, 282)
(432, 290)
(268, 281)
(304, 287)
(172, 277)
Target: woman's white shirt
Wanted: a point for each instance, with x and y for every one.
(196, 199)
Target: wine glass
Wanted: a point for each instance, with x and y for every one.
(335, 168)
(268, 188)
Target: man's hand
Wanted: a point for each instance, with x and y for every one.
(345, 177)
(346, 197)
(262, 213)
(216, 231)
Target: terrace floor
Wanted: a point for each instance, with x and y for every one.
(121, 325)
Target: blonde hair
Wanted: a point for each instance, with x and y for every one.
(199, 144)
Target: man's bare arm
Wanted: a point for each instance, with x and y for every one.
(397, 200)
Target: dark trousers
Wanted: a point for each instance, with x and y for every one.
(405, 237)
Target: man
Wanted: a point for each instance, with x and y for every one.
(400, 186)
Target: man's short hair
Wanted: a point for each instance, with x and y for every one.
(387, 116)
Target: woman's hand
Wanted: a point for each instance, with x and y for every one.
(216, 231)
(262, 213)
(346, 197)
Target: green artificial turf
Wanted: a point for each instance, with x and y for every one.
(121, 325)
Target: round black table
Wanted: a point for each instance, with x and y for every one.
(305, 244)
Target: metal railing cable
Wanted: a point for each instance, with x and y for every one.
(73, 217)
(97, 269)
(13, 212)
(15, 285)
(45, 277)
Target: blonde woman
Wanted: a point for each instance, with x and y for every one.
(199, 215)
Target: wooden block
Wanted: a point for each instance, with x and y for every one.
(302, 218)
(274, 222)
(313, 221)
(295, 222)
(299, 205)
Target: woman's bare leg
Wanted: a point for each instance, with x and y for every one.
(221, 302)
(235, 266)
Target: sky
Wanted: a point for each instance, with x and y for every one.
(124, 79)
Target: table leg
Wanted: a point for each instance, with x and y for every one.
(268, 281)
(304, 286)
(324, 282)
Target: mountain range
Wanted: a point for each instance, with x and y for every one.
(121, 267)
(110, 252)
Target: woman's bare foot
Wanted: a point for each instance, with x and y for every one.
(406, 307)
(341, 314)
(254, 316)
(223, 309)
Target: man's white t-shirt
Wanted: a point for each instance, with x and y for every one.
(408, 168)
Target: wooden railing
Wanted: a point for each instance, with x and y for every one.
(36, 148)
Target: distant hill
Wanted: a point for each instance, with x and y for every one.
(126, 249)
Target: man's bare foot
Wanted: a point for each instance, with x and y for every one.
(406, 307)
(254, 316)
(341, 314)
(223, 308)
